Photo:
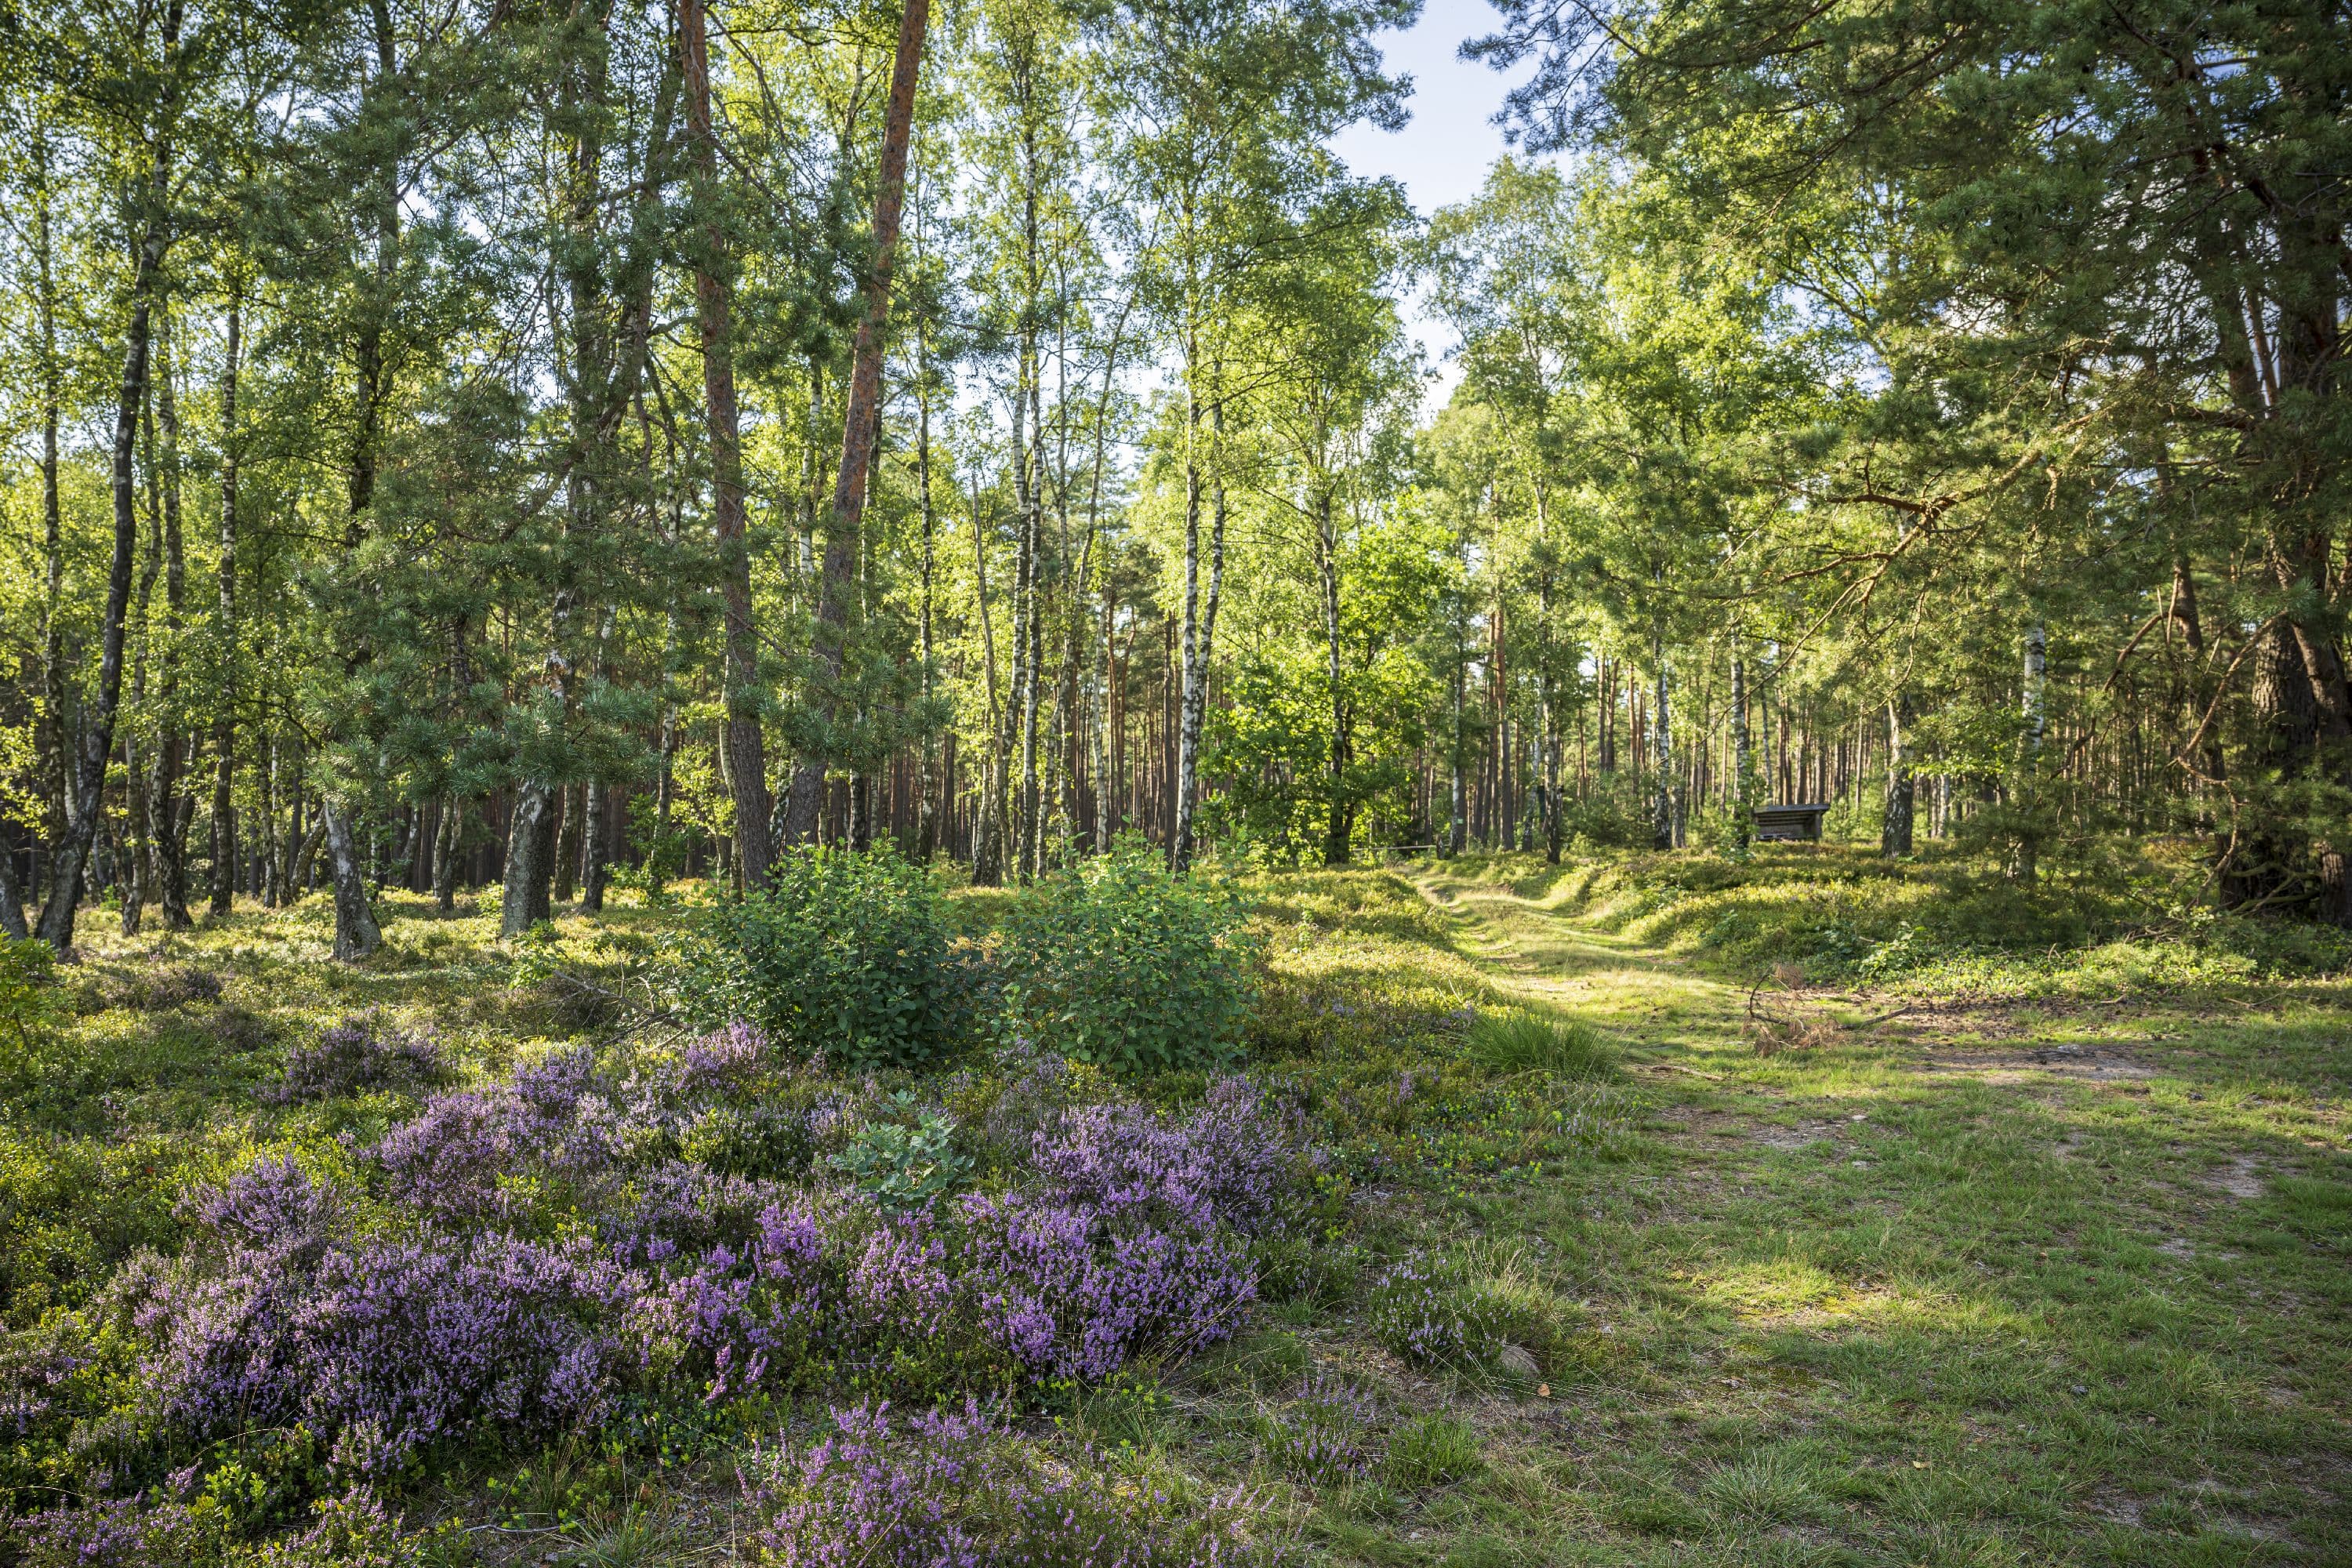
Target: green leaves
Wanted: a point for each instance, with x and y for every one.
(901, 1165)
(846, 958)
(1120, 964)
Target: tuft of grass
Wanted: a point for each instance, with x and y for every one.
(1432, 1451)
(1764, 1489)
(1519, 1042)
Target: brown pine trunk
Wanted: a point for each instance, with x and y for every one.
(223, 845)
(747, 767)
(860, 418)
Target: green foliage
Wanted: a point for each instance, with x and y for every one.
(1119, 962)
(1432, 1451)
(1529, 1042)
(902, 1164)
(844, 958)
(28, 989)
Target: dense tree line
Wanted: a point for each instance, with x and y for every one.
(518, 445)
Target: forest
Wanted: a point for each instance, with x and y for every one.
(873, 784)
(453, 450)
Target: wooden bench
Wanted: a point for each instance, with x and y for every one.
(1791, 822)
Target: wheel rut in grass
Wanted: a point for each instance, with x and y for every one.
(1670, 1016)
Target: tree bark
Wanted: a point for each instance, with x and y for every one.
(747, 765)
(224, 844)
(1662, 823)
(167, 810)
(84, 801)
(1199, 637)
(1339, 820)
(926, 784)
(356, 934)
(860, 418)
(1894, 826)
(1743, 770)
(988, 830)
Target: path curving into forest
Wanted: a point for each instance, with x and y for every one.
(1662, 1008)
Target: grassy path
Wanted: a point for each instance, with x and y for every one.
(2048, 1283)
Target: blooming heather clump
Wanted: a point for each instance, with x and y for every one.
(548, 1121)
(1324, 1433)
(1232, 1161)
(1132, 1235)
(362, 1052)
(115, 1533)
(1071, 1294)
(879, 1495)
(736, 1317)
(678, 1208)
(519, 1257)
(380, 1346)
(946, 1490)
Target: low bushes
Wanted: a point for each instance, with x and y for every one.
(531, 1257)
(844, 958)
(1119, 962)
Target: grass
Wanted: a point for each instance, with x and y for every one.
(2019, 1256)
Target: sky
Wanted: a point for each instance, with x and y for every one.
(1442, 156)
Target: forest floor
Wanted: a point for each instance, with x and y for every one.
(1963, 1273)
(1981, 1282)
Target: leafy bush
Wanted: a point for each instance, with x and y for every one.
(844, 958)
(1119, 962)
(27, 973)
(902, 1166)
(1528, 1042)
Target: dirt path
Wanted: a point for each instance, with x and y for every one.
(1656, 1004)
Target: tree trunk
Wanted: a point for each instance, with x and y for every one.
(2033, 701)
(1663, 823)
(224, 844)
(448, 841)
(1743, 772)
(1027, 673)
(56, 730)
(565, 861)
(987, 834)
(531, 844)
(356, 934)
(84, 801)
(1894, 826)
(167, 812)
(747, 764)
(1200, 633)
(926, 785)
(1339, 828)
(860, 418)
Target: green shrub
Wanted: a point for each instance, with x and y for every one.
(1528, 1042)
(1119, 962)
(902, 1165)
(28, 989)
(844, 957)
